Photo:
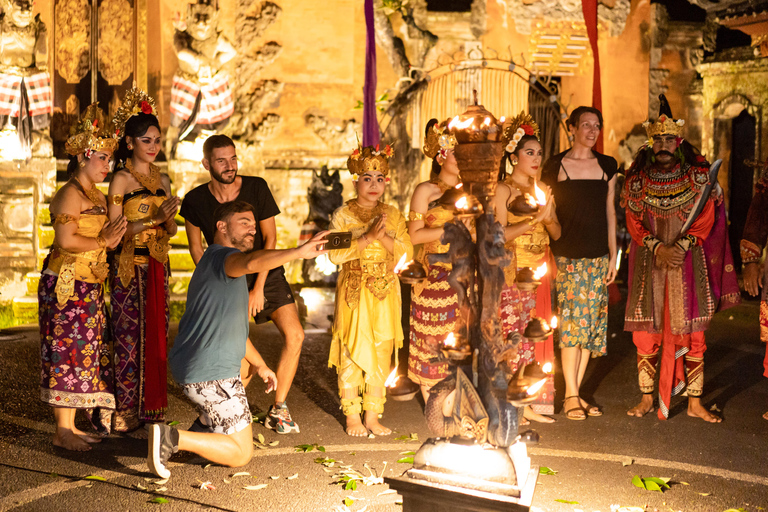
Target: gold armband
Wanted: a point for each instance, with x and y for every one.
(101, 241)
(151, 223)
(115, 199)
(415, 216)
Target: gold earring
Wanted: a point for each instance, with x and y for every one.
(82, 164)
(514, 162)
(130, 146)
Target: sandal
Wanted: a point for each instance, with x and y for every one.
(591, 410)
(574, 413)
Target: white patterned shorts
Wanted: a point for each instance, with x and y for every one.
(221, 403)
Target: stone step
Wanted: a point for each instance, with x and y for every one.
(45, 235)
(178, 282)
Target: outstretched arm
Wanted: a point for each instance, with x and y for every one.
(239, 264)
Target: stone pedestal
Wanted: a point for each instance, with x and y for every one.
(421, 496)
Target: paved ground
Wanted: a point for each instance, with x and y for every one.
(712, 467)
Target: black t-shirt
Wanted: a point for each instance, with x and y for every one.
(580, 209)
(199, 205)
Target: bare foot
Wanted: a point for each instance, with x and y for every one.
(644, 407)
(355, 427)
(65, 438)
(765, 416)
(86, 437)
(696, 410)
(592, 410)
(524, 422)
(534, 416)
(376, 428)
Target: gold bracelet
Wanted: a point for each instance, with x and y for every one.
(101, 241)
(150, 223)
(532, 221)
(412, 216)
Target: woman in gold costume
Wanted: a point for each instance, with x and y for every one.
(434, 303)
(367, 323)
(139, 274)
(76, 368)
(528, 239)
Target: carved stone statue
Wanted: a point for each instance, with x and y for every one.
(201, 95)
(25, 85)
(324, 197)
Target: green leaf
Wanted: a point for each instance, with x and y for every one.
(96, 477)
(54, 474)
(258, 418)
(320, 448)
(348, 501)
(568, 502)
(405, 460)
(303, 448)
(408, 452)
(351, 485)
(173, 423)
(261, 439)
(638, 482)
(547, 471)
(158, 499)
(661, 482)
(651, 485)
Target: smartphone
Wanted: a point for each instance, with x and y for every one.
(338, 240)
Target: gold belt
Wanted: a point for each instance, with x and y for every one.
(378, 277)
(67, 262)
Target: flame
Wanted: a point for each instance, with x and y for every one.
(450, 340)
(501, 119)
(540, 272)
(401, 264)
(457, 187)
(487, 121)
(547, 368)
(618, 260)
(553, 322)
(392, 379)
(541, 197)
(453, 122)
(530, 200)
(462, 203)
(536, 387)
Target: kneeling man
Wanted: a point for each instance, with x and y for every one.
(213, 339)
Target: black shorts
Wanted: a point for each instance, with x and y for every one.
(277, 293)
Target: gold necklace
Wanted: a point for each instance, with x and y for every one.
(366, 214)
(92, 193)
(151, 182)
(443, 186)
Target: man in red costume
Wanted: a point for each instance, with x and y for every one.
(679, 264)
(753, 241)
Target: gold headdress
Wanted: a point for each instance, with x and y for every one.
(135, 102)
(665, 124)
(437, 138)
(516, 128)
(368, 159)
(92, 132)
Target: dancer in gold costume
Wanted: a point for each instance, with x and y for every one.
(139, 276)
(434, 303)
(76, 368)
(367, 323)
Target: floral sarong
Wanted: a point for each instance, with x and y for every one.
(582, 302)
(76, 370)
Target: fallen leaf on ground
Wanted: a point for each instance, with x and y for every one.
(207, 486)
(96, 477)
(254, 487)
(293, 477)
(705, 493)
(241, 473)
(158, 499)
(227, 481)
(543, 470)
(274, 443)
(405, 460)
(568, 502)
(161, 489)
(627, 461)
(207, 466)
(274, 477)
(159, 482)
(140, 487)
(260, 438)
(173, 423)
(388, 491)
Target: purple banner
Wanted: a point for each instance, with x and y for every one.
(370, 121)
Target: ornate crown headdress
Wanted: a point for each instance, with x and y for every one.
(516, 128)
(368, 159)
(92, 132)
(135, 102)
(438, 139)
(665, 124)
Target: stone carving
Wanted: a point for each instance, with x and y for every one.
(26, 102)
(324, 197)
(73, 39)
(115, 41)
(525, 12)
(340, 138)
(201, 96)
(250, 124)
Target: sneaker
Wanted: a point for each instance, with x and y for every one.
(163, 442)
(279, 420)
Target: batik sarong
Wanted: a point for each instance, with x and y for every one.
(129, 321)
(216, 100)
(517, 309)
(76, 371)
(433, 316)
(582, 303)
(38, 89)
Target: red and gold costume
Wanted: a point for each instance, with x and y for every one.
(753, 241)
(668, 309)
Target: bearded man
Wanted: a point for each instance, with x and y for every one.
(681, 266)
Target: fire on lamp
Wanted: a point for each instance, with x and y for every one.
(450, 197)
(541, 197)
(456, 347)
(537, 330)
(469, 206)
(528, 280)
(527, 204)
(392, 379)
(410, 273)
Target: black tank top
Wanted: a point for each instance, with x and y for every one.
(581, 211)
